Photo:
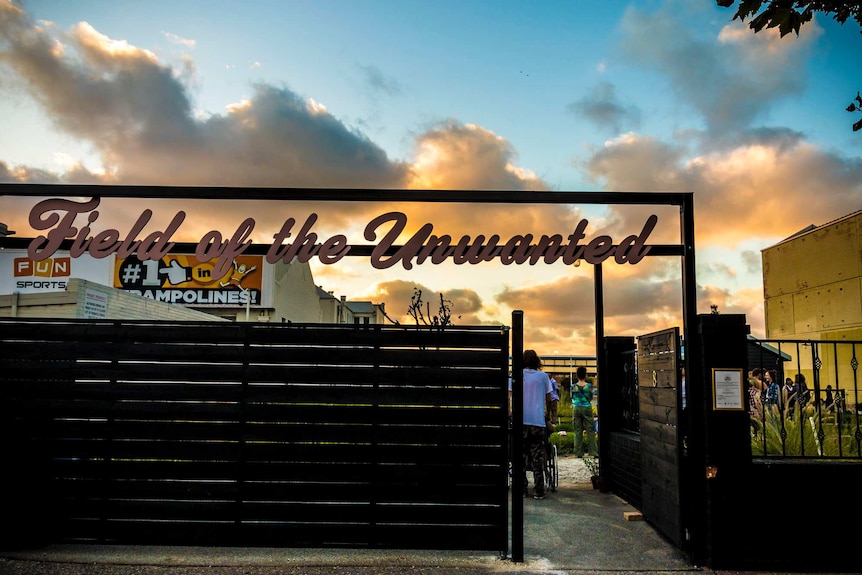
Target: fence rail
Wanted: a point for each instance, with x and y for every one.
(821, 416)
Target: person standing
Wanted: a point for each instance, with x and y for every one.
(555, 400)
(537, 406)
(582, 414)
(803, 394)
(829, 401)
(788, 396)
(755, 377)
(754, 407)
(772, 389)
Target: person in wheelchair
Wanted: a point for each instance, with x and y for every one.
(537, 399)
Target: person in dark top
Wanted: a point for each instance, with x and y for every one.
(829, 400)
(772, 389)
(803, 394)
(788, 399)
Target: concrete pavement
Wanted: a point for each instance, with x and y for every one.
(575, 530)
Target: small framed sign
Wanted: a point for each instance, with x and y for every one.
(727, 390)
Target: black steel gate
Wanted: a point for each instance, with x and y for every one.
(255, 434)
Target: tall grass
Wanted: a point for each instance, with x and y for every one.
(782, 435)
(810, 433)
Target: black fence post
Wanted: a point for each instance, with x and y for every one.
(518, 436)
(718, 460)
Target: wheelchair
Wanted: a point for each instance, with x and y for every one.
(552, 469)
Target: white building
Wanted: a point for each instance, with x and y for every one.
(339, 310)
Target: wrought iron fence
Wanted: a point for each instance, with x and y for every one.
(813, 410)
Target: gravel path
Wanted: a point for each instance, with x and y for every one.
(572, 470)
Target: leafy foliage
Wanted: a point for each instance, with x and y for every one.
(789, 15)
(592, 463)
(856, 106)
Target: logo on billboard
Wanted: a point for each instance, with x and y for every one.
(44, 274)
(182, 279)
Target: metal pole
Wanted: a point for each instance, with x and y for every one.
(601, 359)
(518, 485)
(692, 477)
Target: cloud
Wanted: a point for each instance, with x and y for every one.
(731, 80)
(602, 108)
(440, 161)
(764, 188)
(174, 39)
(379, 82)
(568, 303)
(138, 116)
(637, 162)
(96, 88)
(463, 305)
(747, 301)
(753, 261)
(750, 184)
(277, 138)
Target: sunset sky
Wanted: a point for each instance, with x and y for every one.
(642, 96)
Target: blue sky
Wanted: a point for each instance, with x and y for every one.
(592, 95)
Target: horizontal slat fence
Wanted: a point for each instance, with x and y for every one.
(253, 434)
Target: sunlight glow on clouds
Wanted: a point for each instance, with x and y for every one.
(441, 154)
(104, 51)
(753, 184)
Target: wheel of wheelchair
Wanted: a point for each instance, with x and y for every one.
(553, 471)
(556, 470)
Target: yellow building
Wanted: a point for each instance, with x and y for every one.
(812, 283)
(812, 289)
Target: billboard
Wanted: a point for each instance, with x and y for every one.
(182, 279)
(19, 273)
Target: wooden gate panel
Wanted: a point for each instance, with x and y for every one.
(657, 368)
(255, 434)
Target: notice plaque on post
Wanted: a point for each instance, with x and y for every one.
(727, 391)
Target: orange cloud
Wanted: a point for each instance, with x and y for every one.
(138, 115)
